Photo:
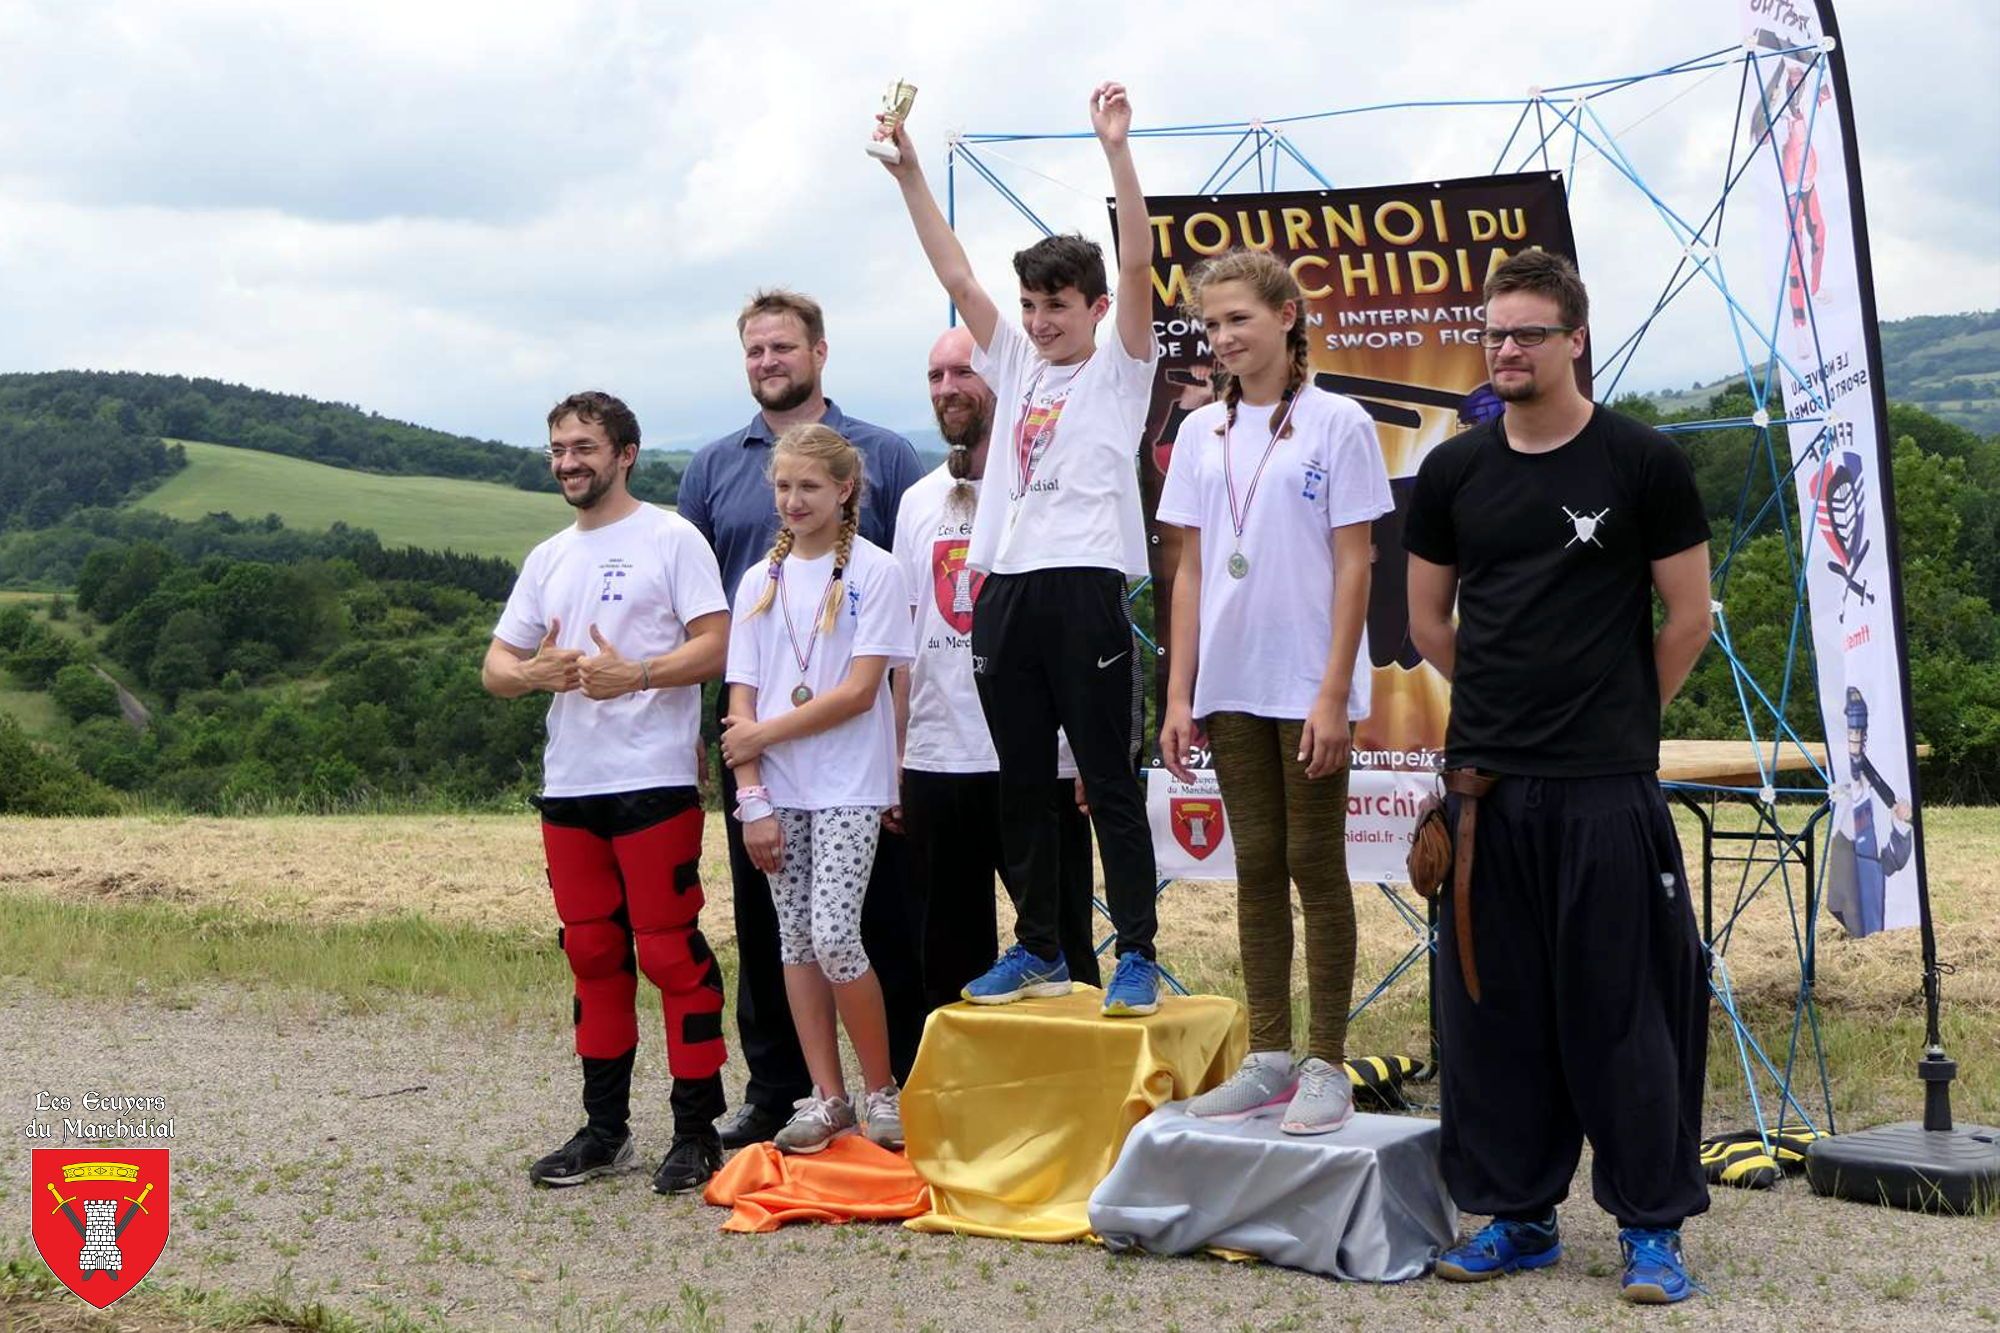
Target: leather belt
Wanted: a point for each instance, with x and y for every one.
(1469, 785)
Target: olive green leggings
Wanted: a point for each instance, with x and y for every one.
(1288, 829)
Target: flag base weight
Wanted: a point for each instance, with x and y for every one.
(1905, 1165)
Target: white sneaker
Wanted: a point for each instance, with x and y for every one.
(1264, 1080)
(816, 1121)
(1323, 1103)
(885, 1117)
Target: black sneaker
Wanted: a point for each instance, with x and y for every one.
(689, 1163)
(585, 1157)
(748, 1124)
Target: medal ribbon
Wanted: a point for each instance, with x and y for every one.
(1238, 516)
(1024, 439)
(812, 641)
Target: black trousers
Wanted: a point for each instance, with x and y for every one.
(1054, 648)
(1594, 1013)
(890, 932)
(953, 821)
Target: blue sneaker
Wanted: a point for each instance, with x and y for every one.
(1655, 1272)
(1501, 1247)
(1135, 986)
(1018, 975)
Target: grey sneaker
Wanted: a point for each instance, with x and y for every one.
(885, 1118)
(1257, 1085)
(816, 1121)
(1323, 1103)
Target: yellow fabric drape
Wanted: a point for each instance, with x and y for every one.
(1015, 1112)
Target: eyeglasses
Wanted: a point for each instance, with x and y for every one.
(1528, 335)
(582, 453)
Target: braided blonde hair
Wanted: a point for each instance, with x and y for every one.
(1271, 280)
(842, 461)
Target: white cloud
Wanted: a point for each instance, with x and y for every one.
(457, 212)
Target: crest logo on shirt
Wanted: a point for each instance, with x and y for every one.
(1197, 822)
(1586, 526)
(1036, 431)
(955, 586)
(613, 587)
(1315, 478)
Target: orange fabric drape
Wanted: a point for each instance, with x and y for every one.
(852, 1180)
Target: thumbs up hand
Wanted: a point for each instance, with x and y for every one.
(608, 675)
(551, 668)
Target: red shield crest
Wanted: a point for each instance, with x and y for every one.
(1198, 824)
(956, 587)
(99, 1216)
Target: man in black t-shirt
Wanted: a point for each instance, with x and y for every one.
(1551, 527)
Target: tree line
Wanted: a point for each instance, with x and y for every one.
(80, 406)
(297, 670)
(1947, 490)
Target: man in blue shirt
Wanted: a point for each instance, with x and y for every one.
(727, 495)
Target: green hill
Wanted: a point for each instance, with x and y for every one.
(1949, 365)
(473, 517)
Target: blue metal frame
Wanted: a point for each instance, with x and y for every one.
(1774, 848)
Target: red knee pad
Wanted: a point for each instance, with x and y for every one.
(600, 958)
(678, 961)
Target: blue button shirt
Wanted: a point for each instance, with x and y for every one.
(726, 494)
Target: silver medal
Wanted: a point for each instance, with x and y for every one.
(1239, 565)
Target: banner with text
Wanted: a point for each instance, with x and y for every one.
(1806, 187)
(1392, 277)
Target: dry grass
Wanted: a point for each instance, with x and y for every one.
(485, 871)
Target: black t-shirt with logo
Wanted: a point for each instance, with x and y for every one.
(1554, 674)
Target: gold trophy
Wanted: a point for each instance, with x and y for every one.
(896, 104)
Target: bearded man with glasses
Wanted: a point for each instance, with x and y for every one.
(1575, 1003)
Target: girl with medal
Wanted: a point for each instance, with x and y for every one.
(1275, 485)
(811, 738)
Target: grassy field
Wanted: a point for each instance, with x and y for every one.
(33, 709)
(475, 517)
(355, 903)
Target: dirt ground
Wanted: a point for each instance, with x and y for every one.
(375, 1161)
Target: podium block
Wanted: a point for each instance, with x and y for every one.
(1364, 1204)
(1014, 1112)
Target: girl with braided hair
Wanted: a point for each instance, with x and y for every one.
(1276, 484)
(811, 739)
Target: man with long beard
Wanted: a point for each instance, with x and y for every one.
(621, 617)
(951, 773)
(726, 494)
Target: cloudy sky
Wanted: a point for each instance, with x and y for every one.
(457, 212)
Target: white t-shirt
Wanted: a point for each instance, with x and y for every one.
(855, 762)
(1264, 637)
(640, 581)
(1078, 505)
(947, 729)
